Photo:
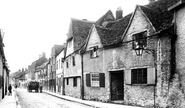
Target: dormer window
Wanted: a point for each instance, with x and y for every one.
(94, 52)
(139, 40)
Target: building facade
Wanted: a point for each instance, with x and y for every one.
(60, 71)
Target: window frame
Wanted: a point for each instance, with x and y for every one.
(67, 81)
(140, 79)
(94, 51)
(95, 83)
(75, 82)
(138, 40)
(73, 60)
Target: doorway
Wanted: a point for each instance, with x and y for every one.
(117, 85)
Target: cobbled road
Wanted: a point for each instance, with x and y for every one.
(43, 100)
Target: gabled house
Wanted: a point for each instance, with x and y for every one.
(98, 55)
(134, 56)
(38, 66)
(78, 32)
(147, 55)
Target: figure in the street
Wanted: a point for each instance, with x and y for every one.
(40, 86)
(10, 89)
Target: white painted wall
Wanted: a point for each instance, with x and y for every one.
(94, 39)
(70, 47)
(59, 57)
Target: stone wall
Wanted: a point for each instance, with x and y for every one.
(180, 45)
(72, 91)
(96, 65)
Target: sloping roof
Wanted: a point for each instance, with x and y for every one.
(158, 14)
(112, 35)
(18, 74)
(109, 37)
(58, 49)
(120, 24)
(101, 19)
(79, 30)
(40, 61)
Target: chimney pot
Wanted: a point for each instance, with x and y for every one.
(119, 13)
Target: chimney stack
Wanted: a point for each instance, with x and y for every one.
(119, 13)
(43, 54)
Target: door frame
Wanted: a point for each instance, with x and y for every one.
(110, 80)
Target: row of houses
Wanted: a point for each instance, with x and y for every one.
(137, 59)
(4, 69)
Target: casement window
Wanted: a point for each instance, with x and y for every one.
(139, 40)
(140, 76)
(74, 82)
(94, 52)
(73, 60)
(67, 64)
(95, 80)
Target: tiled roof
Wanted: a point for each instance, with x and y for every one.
(40, 61)
(158, 14)
(58, 49)
(120, 24)
(112, 36)
(79, 30)
(109, 37)
(100, 20)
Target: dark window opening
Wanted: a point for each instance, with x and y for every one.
(139, 76)
(67, 81)
(74, 82)
(73, 58)
(94, 52)
(67, 64)
(139, 40)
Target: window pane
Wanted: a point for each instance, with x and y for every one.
(95, 79)
(139, 76)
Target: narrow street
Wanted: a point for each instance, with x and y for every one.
(43, 100)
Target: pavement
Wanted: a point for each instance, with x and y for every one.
(89, 103)
(10, 101)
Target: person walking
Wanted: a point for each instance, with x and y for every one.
(40, 86)
(10, 89)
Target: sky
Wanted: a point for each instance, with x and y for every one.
(33, 26)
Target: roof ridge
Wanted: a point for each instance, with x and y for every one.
(82, 20)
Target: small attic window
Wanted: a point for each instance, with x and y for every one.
(94, 52)
(139, 39)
